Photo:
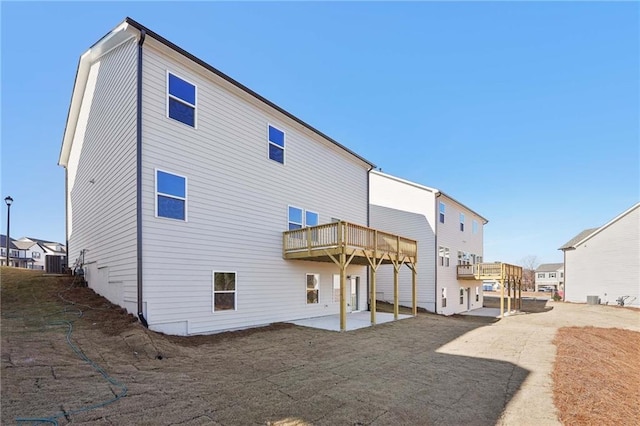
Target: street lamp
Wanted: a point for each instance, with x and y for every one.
(8, 200)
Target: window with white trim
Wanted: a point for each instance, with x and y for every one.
(295, 218)
(276, 138)
(461, 296)
(443, 254)
(462, 222)
(181, 100)
(552, 274)
(310, 218)
(474, 227)
(313, 288)
(541, 275)
(171, 195)
(224, 291)
(300, 218)
(444, 297)
(442, 209)
(477, 294)
(35, 255)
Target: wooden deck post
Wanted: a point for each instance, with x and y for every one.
(373, 295)
(396, 303)
(414, 289)
(343, 292)
(373, 276)
(502, 298)
(509, 295)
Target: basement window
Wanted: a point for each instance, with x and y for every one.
(224, 291)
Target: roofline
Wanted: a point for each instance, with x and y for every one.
(436, 191)
(603, 227)
(109, 41)
(82, 75)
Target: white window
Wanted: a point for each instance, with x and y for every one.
(443, 254)
(444, 297)
(35, 255)
(181, 100)
(300, 218)
(275, 139)
(474, 227)
(461, 296)
(541, 275)
(552, 274)
(171, 195)
(310, 218)
(477, 294)
(442, 209)
(313, 287)
(224, 291)
(462, 222)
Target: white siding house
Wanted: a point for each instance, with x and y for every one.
(549, 275)
(180, 183)
(605, 261)
(448, 234)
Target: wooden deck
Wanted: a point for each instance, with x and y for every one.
(323, 243)
(504, 273)
(489, 271)
(344, 243)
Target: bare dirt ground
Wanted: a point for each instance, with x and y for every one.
(420, 371)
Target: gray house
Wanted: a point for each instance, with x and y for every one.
(605, 261)
(550, 275)
(190, 198)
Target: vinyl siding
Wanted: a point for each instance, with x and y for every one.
(449, 235)
(406, 210)
(101, 178)
(606, 265)
(412, 211)
(237, 202)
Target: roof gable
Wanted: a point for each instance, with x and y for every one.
(591, 232)
(549, 267)
(120, 34)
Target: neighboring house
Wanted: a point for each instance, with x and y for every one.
(605, 261)
(14, 253)
(31, 250)
(550, 275)
(181, 183)
(49, 255)
(30, 253)
(448, 234)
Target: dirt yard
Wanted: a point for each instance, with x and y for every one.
(421, 371)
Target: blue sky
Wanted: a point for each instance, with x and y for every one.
(528, 113)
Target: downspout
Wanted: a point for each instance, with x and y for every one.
(370, 299)
(66, 216)
(435, 252)
(143, 320)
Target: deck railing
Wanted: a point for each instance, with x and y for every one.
(338, 234)
(489, 270)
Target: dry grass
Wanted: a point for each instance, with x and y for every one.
(596, 376)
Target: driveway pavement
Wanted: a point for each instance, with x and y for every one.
(526, 341)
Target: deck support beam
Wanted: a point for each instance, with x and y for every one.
(501, 298)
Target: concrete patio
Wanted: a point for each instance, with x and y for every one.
(355, 320)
